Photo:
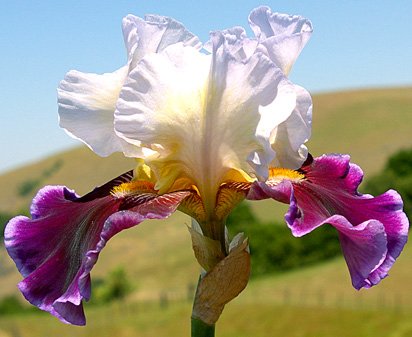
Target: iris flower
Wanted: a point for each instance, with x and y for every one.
(209, 125)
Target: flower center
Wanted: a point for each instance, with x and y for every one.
(130, 188)
(277, 174)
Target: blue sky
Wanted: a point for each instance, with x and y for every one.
(355, 44)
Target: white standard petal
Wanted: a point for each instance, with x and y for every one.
(87, 101)
(283, 36)
(272, 116)
(86, 108)
(153, 34)
(236, 42)
(199, 112)
(289, 137)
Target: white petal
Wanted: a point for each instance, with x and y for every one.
(153, 34)
(199, 112)
(282, 35)
(272, 115)
(289, 137)
(236, 42)
(86, 108)
(87, 101)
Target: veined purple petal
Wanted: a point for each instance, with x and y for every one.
(261, 190)
(56, 249)
(48, 248)
(373, 230)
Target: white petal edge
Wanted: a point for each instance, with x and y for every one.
(289, 137)
(86, 108)
(283, 36)
(272, 116)
(152, 35)
(236, 42)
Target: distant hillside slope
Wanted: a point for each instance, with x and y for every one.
(79, 169)
(368, 124)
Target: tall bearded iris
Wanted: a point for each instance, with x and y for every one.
(210, 126)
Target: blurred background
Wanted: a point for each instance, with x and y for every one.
(357, 67)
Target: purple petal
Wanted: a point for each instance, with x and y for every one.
(283, 191)
(364, 247)
(48, 249)
(328, 194)
(56, 249)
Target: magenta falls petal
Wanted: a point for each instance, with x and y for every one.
(56, 249)
(373, 230)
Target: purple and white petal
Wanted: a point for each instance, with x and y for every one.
(56, 249)
(48, 249)
(364, 247)
(328, 194)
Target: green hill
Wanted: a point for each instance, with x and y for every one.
(79, 169)
(368, 124)
(157, 255)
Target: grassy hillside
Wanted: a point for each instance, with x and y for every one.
(238, 320)
(368, 124)
(79, 169)
(157, 255)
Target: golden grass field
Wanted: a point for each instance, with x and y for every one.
(317, 301)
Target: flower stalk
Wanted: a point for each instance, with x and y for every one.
(219, 285)
(201, 329)
(198, 327)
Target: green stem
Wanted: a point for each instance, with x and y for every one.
(201, 329)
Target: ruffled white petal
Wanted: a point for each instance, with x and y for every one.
(152, 35)
(283, 36)
(199, 112)
(87, 101)
(272, 116)
(286, 121)
(289, 137)
(196, 115)
(236, 42)
(86, 106)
